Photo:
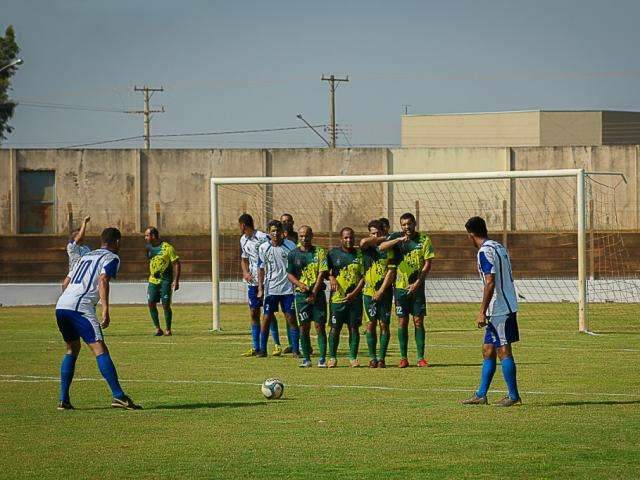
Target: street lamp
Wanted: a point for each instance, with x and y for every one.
(17, 61)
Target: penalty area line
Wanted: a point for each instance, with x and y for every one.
(45, 379)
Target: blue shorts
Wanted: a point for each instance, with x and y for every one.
(254, 301)
(74, 325)
(272, 302)
(502, 330)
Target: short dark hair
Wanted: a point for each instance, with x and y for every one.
(408, 216)
(477, 226)
(307, 227)
(385, 222)
(377, 224)
(274, 223)
(287, 215)
(110, 235)
(345, 229)
(154, 231)
(246, 219)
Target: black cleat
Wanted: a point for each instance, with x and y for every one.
(65, 406)
(125, 402)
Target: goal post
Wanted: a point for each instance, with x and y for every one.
(553, 202)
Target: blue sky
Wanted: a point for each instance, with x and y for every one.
(235, 65)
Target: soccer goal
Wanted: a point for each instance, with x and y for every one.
(566, 232)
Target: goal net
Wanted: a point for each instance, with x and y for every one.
(566, 231)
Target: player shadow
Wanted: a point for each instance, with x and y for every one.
(441, 365)
(617, 332)
(587, 402)
(207, 405)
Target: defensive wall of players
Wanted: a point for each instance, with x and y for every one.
(131, 188)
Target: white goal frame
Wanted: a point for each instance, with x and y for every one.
(581, 213)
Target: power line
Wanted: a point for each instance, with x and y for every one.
(104, 141)
(332, 104)
(232, 132)
(148, 93)
(61, 106)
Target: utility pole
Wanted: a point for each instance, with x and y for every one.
(332, 105)
(148, 93)
(406, 109)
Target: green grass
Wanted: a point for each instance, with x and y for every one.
(204, 415)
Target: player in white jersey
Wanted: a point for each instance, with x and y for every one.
(498, 314)
(274, 285)
(87, 283)
(249, 242)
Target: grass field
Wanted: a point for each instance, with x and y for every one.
(204, 416)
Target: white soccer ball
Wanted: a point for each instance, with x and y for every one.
(272, 388)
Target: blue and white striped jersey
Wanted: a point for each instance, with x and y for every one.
(493, 258)
(249, 250)
(82, 293)
(274, 261)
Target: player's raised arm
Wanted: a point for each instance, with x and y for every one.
(79, 237)
(391, 241)
(369, 242)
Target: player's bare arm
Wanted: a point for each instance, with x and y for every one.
(103, 289)
(316, 287)
(389, 244)
(296, 282)
(177, 268)
(350, 297)
(333, 283)
(487, 295)
(65, 283)
(260, 282)
(426, 268)
(368, 242)
(389, 278)
(246, 275)
(79, 237)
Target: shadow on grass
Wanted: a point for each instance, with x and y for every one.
(596, 402)
(196, 406)
(441, 365)
(617, 332)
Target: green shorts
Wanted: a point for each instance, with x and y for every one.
(414, 305)
(160, 292)
(306, 312)
(347, 313)
(380, 310)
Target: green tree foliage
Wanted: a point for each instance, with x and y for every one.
(8, 53)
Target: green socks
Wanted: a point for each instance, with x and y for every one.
(420, 341)
(372, 340)
(168, 315)
(384, 344)
(354, 343)
(403, 340)
(305, 345)
(322, 343)
(334, 341)
(154, 316)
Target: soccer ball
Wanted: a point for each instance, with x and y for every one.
(272, 388)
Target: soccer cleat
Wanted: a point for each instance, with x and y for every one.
(322, 363)
(277, 351)
(404, 363)
(287, 349)
(65, 406)
(355, 363)
(423, 363)
(373, 363)
(332, 363)
(382, 364)
(249, 353)
(167, 332)
(261, 354)
(475, 400)
(508, 402)
(305, 364)
(158, 333)
(125, 402)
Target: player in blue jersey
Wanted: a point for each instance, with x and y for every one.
(87, 283)
(249, 243)
(498, 312)
(274, 286)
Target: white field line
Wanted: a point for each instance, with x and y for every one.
(46, 379)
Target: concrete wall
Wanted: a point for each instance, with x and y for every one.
(132, 189)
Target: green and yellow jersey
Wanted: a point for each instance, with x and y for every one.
(376, 265)
(410, 257)
(305, 266)
(348, 269)
(161, 259)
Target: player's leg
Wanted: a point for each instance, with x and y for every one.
(166, 292)
(275, 336)
(370, 313)
(507, 329)
(402, 311)
(320, 320)
(304, 315)
(153, 297)
(270, 306)
(254, 314)
(418, 312)
(287, 302)
(68, 365)
(384, 320)
(337, 319)
(355, 322)
(489, 347)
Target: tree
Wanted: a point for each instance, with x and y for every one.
(8, 53)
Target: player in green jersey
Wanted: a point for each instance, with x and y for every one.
(379, 274)
(413, 252)
(346, 281)
(164, 277)
(307, 269)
